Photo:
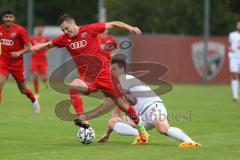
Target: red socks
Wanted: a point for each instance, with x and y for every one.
(35, 84)
(133, 114)
(29, 94)
(76, 101)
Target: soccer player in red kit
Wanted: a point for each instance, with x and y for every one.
(14, 43)
(39, 64)
(108, 43)
(83, 45)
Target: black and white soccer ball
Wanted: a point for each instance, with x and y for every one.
(86, 136)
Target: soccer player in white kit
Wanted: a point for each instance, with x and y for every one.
(150, 109)
(234, 60)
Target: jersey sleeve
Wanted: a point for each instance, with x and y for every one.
(58, 41)
(97, 28)
(23, 34)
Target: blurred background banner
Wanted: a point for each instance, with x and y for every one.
(183, 55)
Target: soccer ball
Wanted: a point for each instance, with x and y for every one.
(86, 136)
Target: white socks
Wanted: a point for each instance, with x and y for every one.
(235, 85)
(36, 106)
(178, 134)
(125, 129)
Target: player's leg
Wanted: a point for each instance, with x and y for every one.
(2, 82)
(18, 74)
(26, 91)
(234, 68)
(122, 103)
(157, 115)
(131, 112)
(162, 126)
(36, 83)
(4, 72)
(239, 82)
(120, 126)
(109, 85)
(239, 78)
(44, 74)
(35, 73)
(77, 86)
(234, 85)
(45, 80)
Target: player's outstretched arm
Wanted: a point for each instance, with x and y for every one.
(108, 131)
(43, 46)
(105, 135)
(118, 24)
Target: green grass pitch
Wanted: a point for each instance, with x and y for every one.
(213, 122)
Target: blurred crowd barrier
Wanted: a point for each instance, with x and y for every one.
(184, 57)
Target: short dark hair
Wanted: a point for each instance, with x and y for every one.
(64, 17)
(120, 60)
(8, 11)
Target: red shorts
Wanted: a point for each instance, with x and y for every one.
(39, 68)
(105, 82)
(17, 70)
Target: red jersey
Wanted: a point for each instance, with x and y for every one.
(108, 43)
(40, 56)
(12, 40)
(85, 43)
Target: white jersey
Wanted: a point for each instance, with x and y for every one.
(141, 95)
(234, 40)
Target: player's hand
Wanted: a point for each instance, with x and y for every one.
(135, 30)
(82, 117)
(103, 139)
(15, 54)
(35, 48)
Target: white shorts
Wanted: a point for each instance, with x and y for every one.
(156, 111)
(234, 63)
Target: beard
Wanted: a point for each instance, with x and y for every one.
(8, 23)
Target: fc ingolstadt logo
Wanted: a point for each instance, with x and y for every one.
(13, 35)
(208, 67)
(84, 35)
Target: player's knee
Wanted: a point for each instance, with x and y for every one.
(163, 130)
(79, 85)
(162, 127)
